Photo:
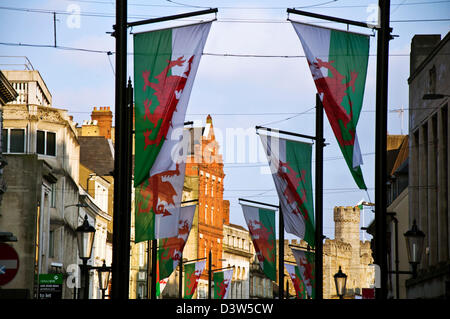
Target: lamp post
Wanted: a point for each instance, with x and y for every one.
(414, 245)
(414, 239)
(85, 239)
(103, 278)
(340, 280)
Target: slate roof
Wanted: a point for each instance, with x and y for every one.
(96, 154)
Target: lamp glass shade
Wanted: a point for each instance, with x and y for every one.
(414, 244)
(85, 239)
(103, 276)
(340, 280)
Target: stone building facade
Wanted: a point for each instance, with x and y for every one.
(397, 221)
(238, 251)
(346, 250)
(97, 181)
(42, 151)
(429, 161)
(204, 181)
(7, 94)
(349, 252)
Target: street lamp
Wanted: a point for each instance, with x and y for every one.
(103, 278)
(414, 245)
(340, 280)
(85, 240)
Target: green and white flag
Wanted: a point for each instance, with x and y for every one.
(306, 266)
(171, 249)
(290, 164)
(338, 62)
(160, 285)
(297, 282)
(192, 273)
(261, 225)
(165, 64)
(222, 283)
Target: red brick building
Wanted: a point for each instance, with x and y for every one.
(204, 180)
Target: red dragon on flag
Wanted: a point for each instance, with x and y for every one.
(164, 190)
(222, 288)
(334, 90)
(292, 183)
(263, 246)
(192, 282)
(173, 246)
(167, 90)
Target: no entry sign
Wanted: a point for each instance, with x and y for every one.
(9, 263)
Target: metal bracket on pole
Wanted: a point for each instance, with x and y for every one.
(172, 17)
(229, 267)
(259, 203)
(334, 19)
(286, 132)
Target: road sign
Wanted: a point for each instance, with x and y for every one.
(9, 263)
(368, 293)
(50, 286)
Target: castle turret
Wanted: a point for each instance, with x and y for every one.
(347, 230)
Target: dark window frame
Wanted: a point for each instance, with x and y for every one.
(48, 149)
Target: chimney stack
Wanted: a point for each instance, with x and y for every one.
(103, 116)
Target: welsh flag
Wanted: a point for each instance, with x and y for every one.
(222, 283)
(299, 286)
(171, 249)
(165, 64)
(306, 267)
(338, 62)
(261, 225)
(160, 285)
(192, 273)
(290, 164)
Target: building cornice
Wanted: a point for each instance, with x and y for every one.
(7, 92)
(430, 56)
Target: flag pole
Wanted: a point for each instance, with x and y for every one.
(319, 199)
(281, 254)
(149, 269)
(381, 105)
(180, 281)
(209, 274)
(122, 182)
(154, 267)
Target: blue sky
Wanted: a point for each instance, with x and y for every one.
(238, 92)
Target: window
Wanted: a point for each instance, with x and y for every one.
(13, 140)
(46, 143)
(53, 196)
(141, 255)
(432, 80)
(51, 244)
(4, 141)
